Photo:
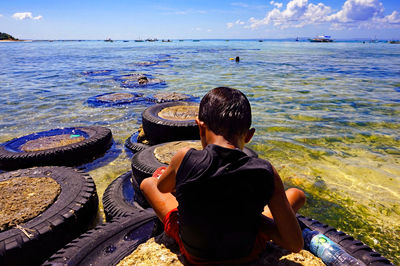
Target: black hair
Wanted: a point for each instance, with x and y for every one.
(226, 112)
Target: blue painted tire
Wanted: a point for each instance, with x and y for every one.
(96, 101)
(96, 142)
(134, 81)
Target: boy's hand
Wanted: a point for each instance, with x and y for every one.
(157, 173)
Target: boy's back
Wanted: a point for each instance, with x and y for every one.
(221, 193)
(219, 212)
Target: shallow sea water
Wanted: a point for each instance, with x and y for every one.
(326, 114)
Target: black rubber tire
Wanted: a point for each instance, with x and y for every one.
(132, 144)
(107, 244)
(355, 248)
(144, 163)
(68, 217)
(139, 197)
(159, 130)
(116, 201)
(98, 141)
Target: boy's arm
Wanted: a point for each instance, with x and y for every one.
(166, 182)
(284, 229)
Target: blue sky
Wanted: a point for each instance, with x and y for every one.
(179, 19)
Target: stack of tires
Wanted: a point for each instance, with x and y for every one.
(131, 221)
(57, 234)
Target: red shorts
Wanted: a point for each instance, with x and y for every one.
(171, 228)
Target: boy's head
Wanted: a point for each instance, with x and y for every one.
(226, 112)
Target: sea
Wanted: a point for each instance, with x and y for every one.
(327, 115)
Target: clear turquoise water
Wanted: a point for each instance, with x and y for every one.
(326, 114)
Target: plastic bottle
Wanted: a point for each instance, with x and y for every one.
(329, 252)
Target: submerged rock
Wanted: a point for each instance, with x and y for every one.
(163, 250)
(138, 80)
(169, 97)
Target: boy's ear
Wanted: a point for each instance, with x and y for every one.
(249, 135)
(202, 127)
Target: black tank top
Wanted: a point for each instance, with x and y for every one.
(221, 194)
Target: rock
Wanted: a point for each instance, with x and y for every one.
(162, 250)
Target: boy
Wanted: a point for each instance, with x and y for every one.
(227, 205)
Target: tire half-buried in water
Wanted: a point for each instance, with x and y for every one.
(32, 242)
(63, 146)
(119, 198)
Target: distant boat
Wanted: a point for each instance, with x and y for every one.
(125, 41)
(374, 40)
(321, 38)
(108, 40)
(297, 39)
(394, 42)
(139, 40)
(260, 40)
(166, 40)
(151, 40)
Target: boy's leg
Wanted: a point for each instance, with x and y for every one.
(296, 198)
(162, 203)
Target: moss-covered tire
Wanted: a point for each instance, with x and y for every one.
(109, 243)
(119, 198)
(159, 130)
(95, 143)
(68, 217)
(133, 144)
(354, 247)
(144, 163)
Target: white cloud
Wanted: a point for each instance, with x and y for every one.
(277, 5)
(357, 11)
(229, 25)
(354, 13)
(298, 13)
(393, 18)
(26, 15)
(237, 22)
